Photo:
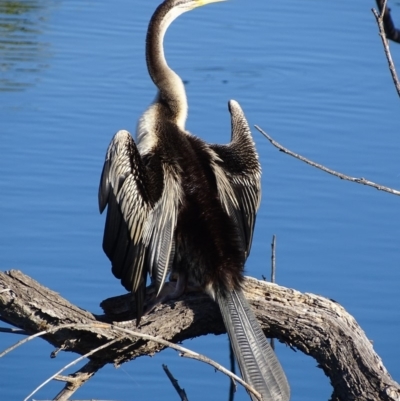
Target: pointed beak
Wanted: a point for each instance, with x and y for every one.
(204, 2)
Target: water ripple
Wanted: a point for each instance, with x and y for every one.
(23, 52)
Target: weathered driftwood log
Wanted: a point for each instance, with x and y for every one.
(315, 325)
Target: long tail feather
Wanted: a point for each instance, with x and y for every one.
(257, 361)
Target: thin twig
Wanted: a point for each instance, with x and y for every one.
(392, 33)
(327, 170)
(232, 384)
(273, 245)
(379, 20)
(181, 391)
(273, 267)
(384, 7)
(49, 331)
(74, 362)
(219, 367)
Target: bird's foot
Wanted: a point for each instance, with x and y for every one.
(169, 292)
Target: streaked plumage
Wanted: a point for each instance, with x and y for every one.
(175, 203)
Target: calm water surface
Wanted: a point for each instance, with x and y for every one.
(312, 74)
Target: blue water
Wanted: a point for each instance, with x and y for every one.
(313, 75)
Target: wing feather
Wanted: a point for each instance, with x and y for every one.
(123, 190)
(139, 230)
(240, 190)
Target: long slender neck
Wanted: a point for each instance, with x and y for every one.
(171, 93)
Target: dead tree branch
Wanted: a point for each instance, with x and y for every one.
(315, 325)
(76, 380)
(328, 170)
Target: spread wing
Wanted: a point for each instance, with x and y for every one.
(238, 163)
(139, 228)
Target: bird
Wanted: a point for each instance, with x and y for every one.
(178, 205)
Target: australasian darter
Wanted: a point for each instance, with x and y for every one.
(176, 203)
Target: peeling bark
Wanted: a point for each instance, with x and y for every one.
(315, 325)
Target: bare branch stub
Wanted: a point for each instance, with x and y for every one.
(181, 391)
(315, 325)
(77, 380)
(273, 258)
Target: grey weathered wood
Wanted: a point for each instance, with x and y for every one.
(76, 380)
(315, 325)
